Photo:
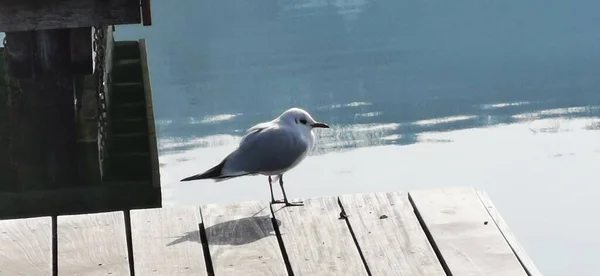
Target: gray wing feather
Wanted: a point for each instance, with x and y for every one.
(254, 130)
(267, 150)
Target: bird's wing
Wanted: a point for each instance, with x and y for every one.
(273, 148)
(254, 130)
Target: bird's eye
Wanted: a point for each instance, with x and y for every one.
(303, 121)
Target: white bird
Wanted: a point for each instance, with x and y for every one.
(269, 148)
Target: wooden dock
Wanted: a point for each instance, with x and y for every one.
(454, 231)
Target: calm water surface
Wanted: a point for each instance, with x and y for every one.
(503, 96)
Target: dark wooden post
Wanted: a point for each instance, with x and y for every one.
(48, 109)
(42, 115)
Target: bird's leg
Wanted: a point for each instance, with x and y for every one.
(285, 200)
(273, 201)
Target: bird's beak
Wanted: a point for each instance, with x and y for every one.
(320, 125)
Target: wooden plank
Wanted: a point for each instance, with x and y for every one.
(146, 13)
(150, 113)
(107, 62)
(109, 46)
(166, 241)
(460, 227)
(92, 244)
(510, 237)
(242, 239)
(389, 234)
(317, 241)
(20, 15)
(26, 247)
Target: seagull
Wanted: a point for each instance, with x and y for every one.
(269, 148)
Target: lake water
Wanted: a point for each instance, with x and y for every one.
(503, 96)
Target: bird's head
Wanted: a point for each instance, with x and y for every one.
(299, 117)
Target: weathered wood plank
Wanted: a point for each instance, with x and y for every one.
(92, 244)
(317, 241)
(242, 239)
(531, 268)
(26, 247)
(19, 15)
(146, 13)
(153, 148)
(389, 235)
(461, 229)
(166, 241)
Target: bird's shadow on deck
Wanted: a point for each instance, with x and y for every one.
(234, 232)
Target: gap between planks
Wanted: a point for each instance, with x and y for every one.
(345, 235)
(92, 244)
(389, 235)
(241, 239)
(166, 241)
(458, 225)
(530, 268)
(317, 239)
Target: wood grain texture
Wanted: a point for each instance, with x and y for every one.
(317, 241)
(23, 15)
(389, 235)
(26, 247)
(531, 268)
(166, 241)
(462, 231)
(242, 239)
(92, 244)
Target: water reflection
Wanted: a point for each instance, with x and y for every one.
(367, 131)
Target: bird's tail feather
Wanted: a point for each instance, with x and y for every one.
(215, 173)
(212, 173)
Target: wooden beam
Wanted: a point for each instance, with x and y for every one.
(106, 197)
(26, 247)
(166, 241)
(247, 229)
(153, 145)
(389, 235)
(146, 13)
(25, 15)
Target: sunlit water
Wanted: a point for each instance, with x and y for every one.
(503, 96)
